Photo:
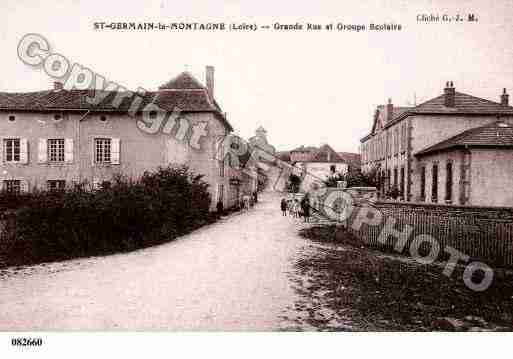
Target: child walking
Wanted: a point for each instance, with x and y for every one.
(283, 207)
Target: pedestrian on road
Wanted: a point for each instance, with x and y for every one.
(283, 207)
(246, 199)
(219, 208)
(305, 207)
(296, 208)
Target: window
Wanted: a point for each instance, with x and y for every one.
(220, 193)
(423, 183)
(448, 182)
(395, 177)
(382, 181)
(12, 150)
(332, 168)
(401, 189)
(56, 150)
(57, 117)
(12, 186)
(103, 118)
(389, 145)
(12, 118)
(102, 150)
(404, 137)
(434, 184)
(56, 185)
(389, 179)
(221, 168)
(396, 141)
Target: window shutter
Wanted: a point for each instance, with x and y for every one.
(23, 150)
(114, 155)
(42, 155)
(24, 188)
(93, 152)
(68, 150)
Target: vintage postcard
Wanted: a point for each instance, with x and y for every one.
(237, 166)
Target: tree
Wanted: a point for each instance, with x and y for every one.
(355, 178)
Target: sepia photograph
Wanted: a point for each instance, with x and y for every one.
(277, 170)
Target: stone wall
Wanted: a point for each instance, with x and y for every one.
(482, 233)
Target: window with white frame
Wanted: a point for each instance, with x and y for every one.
(102, 150)
(56, 150)
(12, 150)
(12, 186)
(56, 185)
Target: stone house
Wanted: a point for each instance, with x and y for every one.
(419, 150)
(56, 138)
(317, 164)
(474, 167)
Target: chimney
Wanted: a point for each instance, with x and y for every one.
(58, 85)
(210, 81)
(504, 98)
(449, 94)
(390, 110)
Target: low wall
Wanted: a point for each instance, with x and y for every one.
(483, 233)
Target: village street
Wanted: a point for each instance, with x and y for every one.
(231, 275)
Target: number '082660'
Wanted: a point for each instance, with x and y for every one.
(26, 342)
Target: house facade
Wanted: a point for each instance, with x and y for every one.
(316, 165)
(56, 138)
(404, 149)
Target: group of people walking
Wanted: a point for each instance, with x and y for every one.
(296, 208)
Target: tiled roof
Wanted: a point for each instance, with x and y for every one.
(304, 148)
(184, 81)
(497, 134)
(397, 111)
(380, 116)
(188, 100)
(463, 105)
(326, 154)
(283, 155)
(78, 100)
(350, 158)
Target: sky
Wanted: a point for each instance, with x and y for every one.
(303, 87)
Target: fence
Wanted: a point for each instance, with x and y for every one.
(482, 233)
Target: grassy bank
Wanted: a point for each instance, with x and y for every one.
(370, 290)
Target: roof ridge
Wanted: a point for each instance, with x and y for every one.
(479, 98)
(182, 81)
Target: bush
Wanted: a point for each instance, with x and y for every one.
(128, 215)
(354, 178)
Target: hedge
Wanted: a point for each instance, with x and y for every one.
(77, 222)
